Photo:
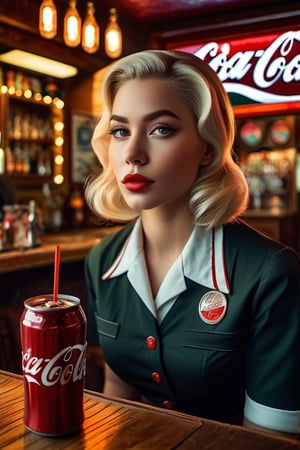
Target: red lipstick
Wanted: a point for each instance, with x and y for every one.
(135, 182)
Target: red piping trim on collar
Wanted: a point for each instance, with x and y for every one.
(213, 261)
(112, 269)
(224, 265)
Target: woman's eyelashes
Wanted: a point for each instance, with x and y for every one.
(156, 130)
(162, 130)
(119, 132)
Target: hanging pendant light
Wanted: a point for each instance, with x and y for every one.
(113, 36)
(72, 25)
(48, 19)
(90, 30)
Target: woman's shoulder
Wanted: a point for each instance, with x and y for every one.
(243, 238)
(252, 253)
(243, 234)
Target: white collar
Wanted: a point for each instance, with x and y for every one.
(202, 259)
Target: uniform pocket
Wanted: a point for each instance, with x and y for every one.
(106, 327)
(212, 340)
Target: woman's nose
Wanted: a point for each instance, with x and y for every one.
(140, 161)
(136, 153)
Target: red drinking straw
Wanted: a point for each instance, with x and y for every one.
(56, 273)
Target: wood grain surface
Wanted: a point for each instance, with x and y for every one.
(113, 424)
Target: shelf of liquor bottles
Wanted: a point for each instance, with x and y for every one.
(32, 128)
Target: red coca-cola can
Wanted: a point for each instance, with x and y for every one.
(53, 340)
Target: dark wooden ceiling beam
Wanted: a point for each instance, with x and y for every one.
(14, 38)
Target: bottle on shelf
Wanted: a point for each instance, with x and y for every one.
(8, 227)
(76, 209)
(10, 161)
(52, 210)
(32, 225)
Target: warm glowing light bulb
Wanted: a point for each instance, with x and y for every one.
(90, 30)
(48, 19)
(38, 96)
(59, 126)
(58, 179)
(113, 36)
(59, 160)
(47, 99)
(59, 141)
(27, 93)
(58, 103)
(72, 25)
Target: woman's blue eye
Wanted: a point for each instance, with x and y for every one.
(164, 130)
(118, 132)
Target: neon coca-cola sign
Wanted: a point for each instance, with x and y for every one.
(264, 69)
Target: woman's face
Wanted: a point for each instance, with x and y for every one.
(155, 149)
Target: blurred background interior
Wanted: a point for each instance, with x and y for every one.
(53, 54)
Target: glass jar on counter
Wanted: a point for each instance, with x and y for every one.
(13, 232)
(20, 227)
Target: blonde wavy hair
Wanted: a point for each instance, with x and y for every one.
(220, 192)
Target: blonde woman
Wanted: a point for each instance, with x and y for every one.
(194, 310)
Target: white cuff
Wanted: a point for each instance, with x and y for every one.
(274, 419)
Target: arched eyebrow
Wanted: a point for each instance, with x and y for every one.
(147, 117)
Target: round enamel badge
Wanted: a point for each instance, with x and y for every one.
(212, 307)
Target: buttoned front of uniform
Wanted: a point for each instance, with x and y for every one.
(156, 377)
(198, 365)
(151, 342)
(133, 351)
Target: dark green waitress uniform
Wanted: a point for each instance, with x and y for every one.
(222, 338)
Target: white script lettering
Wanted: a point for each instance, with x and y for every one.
(267, 67)
(67, 365)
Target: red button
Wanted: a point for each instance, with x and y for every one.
(156, 377)
(167, 404)
(151, 342)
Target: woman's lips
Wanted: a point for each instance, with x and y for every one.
(136, 182)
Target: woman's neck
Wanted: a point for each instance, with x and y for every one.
(162, 230)
(165, 236)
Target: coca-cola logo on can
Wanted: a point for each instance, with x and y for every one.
(68, 365)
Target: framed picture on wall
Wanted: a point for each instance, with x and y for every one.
(83, 158)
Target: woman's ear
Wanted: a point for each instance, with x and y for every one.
(207, 156)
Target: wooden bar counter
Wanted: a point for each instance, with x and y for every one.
(115, 424)
(74, 245)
